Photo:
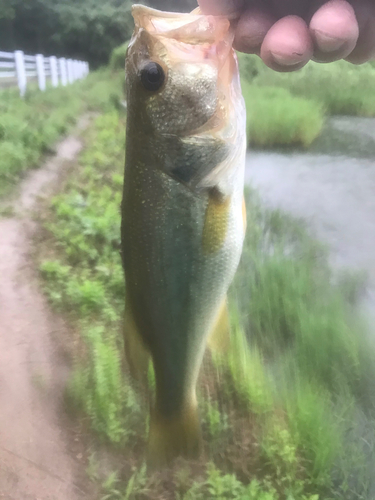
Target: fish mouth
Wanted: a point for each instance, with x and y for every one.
(191, 28)
(197, 38)
(191, 36)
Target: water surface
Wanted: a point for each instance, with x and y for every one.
(332, 187)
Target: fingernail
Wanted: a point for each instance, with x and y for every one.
(287, 60)
(327, 43)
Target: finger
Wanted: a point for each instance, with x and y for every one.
(221, 7)
(251, 29)
(334, 31)
(287, 45)
(365, 48)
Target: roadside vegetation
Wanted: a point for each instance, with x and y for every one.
(31, 126)
(287, 413)
(289, 109)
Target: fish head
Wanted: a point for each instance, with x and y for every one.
(181, 71)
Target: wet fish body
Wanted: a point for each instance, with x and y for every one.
(182, 213)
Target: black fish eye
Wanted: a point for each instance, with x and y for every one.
(152, 76)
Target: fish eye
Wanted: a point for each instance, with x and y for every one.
(152, 76)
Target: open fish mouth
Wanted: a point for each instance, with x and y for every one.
(193, 28)
(196, 38)
(192, 37)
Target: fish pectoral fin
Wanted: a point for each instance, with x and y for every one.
(193, 157)
(244, 214)
(137, 354)
(216, 222)
(174, 436)
(219, 338)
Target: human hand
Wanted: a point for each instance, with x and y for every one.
(288, 33)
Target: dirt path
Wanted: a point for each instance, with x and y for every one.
(36, 460)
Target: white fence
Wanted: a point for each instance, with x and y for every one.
(18, 68)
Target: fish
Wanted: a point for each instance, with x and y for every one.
(183, 213)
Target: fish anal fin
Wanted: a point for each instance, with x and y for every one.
(219, 338)
(174, 436)
(137, 354)
(216, 222)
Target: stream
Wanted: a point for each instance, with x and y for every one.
(332, 188)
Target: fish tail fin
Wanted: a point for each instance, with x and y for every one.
(137, 355)
(219, 338)
(174, 436)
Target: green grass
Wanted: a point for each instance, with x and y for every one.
(305, 317)
(31, 126)
(88, 282)
(315, 360)
(342, 88)
(287, 109)
(285, 412)
(276, 117)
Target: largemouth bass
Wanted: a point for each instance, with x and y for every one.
(183, 217)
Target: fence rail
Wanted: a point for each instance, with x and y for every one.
(19, 68)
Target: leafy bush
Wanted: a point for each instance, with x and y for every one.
(117, 61)
(339, 88)
(30, 127)
(289, 108)
(276, 118)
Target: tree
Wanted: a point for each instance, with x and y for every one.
(81, 29)
(86, 29)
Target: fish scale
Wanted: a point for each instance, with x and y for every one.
(182, 210)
